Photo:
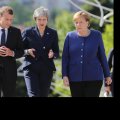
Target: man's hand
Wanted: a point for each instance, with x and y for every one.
(50, 54)
(4, 51)
(108, 80)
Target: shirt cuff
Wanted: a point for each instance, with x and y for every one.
(26, 52)
(13, 54)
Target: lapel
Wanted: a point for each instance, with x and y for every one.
(37, 34)
(46, 36)
(9, 35)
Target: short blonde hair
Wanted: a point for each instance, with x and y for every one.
(80, 14)
(41, 11)
(5, 9)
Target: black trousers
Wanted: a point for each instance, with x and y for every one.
(8, 77)
(112, 84)
(86, 88)
(38, 80)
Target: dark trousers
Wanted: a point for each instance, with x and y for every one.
(86, 88)
(38, 80)
(112, 84)
(112, 87)
(8, 77)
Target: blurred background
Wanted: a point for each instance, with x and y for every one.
(60, 18)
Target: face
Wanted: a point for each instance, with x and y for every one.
(6, 20)
(81, 24)
(41, 22)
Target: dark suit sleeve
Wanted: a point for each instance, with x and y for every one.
(25, 39)
(102, 57)
(19, 46)
(65, 57)
(55, 46)
(110, 59)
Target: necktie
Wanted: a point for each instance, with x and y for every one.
(3, 37)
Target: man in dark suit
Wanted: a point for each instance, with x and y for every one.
(41, 46)
(111, 67)
(11, 47)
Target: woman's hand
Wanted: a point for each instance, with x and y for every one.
(31, 52)
(4, 51)
(50, 54)
(66, 81)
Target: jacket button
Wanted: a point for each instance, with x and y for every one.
(82, 44)
(44, 47)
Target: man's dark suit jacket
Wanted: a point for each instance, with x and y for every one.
(13, 42)
(8, 68)
(111, 61)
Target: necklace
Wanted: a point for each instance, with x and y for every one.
(41, 34)
(85, 35)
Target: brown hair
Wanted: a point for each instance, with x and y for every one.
(81, 14)
(7, 9)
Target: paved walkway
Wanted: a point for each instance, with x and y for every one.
(102, 91)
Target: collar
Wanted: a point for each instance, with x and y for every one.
(3, 28)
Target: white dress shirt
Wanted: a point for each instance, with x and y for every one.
(6, 33)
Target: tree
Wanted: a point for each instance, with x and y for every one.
(64, 24)
(21, 12)
(96, 11)
(108, 37)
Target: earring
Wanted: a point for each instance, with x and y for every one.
(88, 25)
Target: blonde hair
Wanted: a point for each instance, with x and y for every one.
(80, 14)
(41, 11)
(5, 9)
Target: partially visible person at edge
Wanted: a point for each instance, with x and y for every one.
(11, 47)
(83, 60)
(41, 47)
(110, 88)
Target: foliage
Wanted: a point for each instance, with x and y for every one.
(108, 37)
(29, 23)
(59, 90)
(20, 87)
(21, 12)
(96, 11)
(64, 24)
(20, 84)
